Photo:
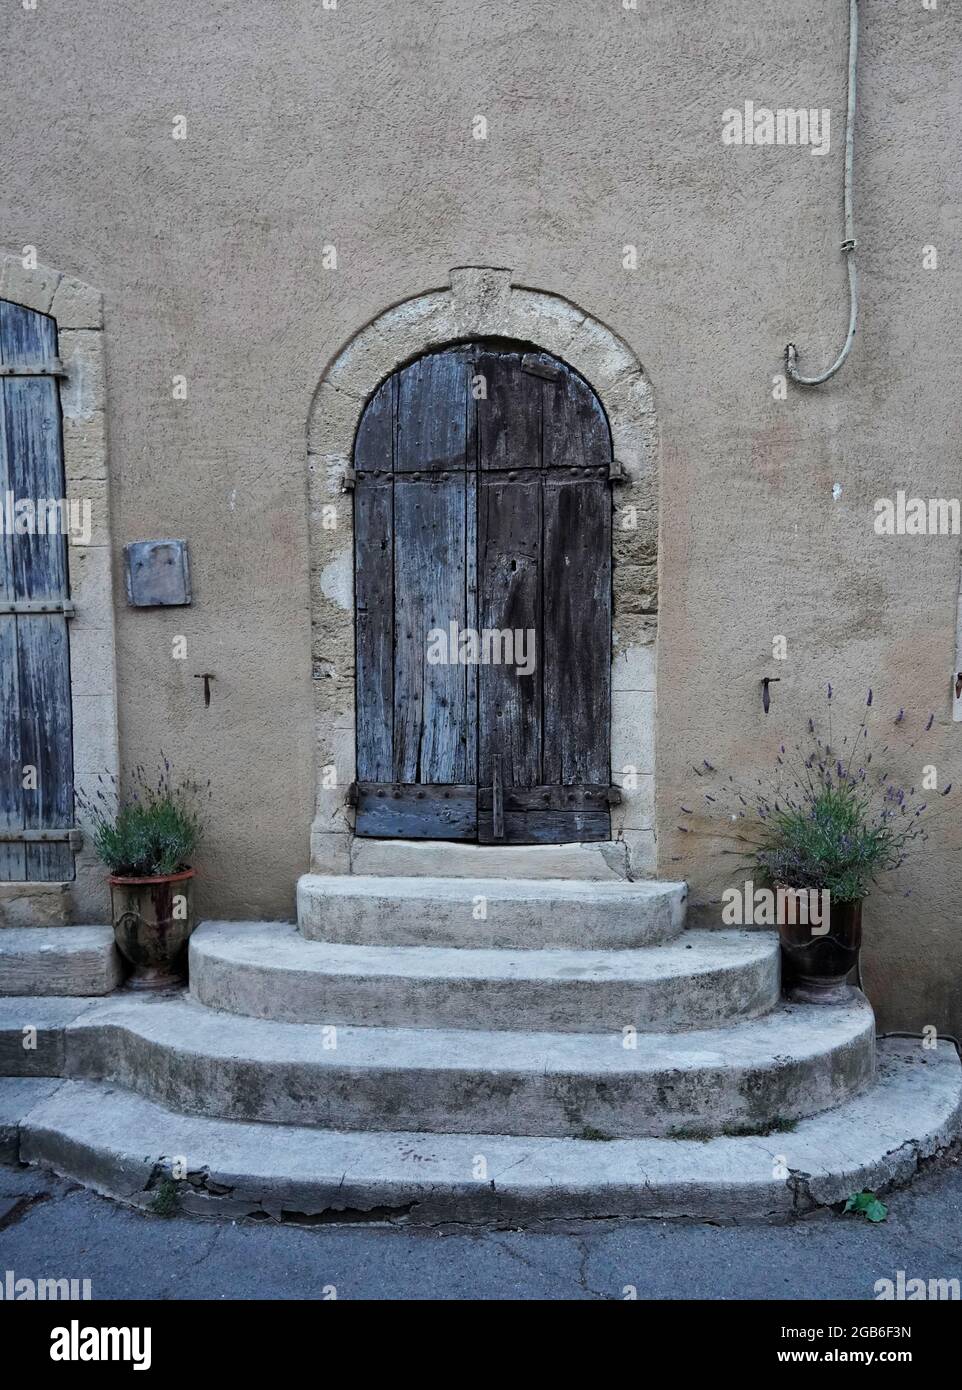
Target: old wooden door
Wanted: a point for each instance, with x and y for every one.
(36, 757)
(483, 593)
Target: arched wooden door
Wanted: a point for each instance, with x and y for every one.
(483, 594)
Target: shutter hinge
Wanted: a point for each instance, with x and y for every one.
(20, 607)
(617, 473)
(532, 364)
(351, 795)
(73, 837)
(613, 796)
(348, 480)
(52, 367)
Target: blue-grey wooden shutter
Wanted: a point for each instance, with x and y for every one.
(36, 743)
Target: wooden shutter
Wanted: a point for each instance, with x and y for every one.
(35, 713)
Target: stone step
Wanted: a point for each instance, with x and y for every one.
(520, 914)
(122, 1145)
(268, 970)
(33, 1033)
(59, 961)
(795, 1061)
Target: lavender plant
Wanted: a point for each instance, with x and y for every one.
(832, 817)
(151, 830)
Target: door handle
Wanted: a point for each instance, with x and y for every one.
(497, 800)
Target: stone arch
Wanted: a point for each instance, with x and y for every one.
(77, 309)
(483, 302)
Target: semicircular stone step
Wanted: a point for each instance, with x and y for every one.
(522, 914)
(122, 1145)
(757, 1075)
(700, 980)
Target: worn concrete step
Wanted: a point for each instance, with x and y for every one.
(797, 1060)
(123, 1146)
(268, 970)
(520, 914)
(58, 961)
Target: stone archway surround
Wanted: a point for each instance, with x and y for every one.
(483, 302)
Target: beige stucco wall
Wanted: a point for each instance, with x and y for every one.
(308, 127)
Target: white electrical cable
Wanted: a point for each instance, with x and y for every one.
(849, 244)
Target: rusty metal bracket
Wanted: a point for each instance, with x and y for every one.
(531, 364)
(72, 836)
(53, 367)
(21, 607)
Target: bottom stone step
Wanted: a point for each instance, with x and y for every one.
(126, 1147)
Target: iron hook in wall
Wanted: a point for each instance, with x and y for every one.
(206, 677)
(766, 697)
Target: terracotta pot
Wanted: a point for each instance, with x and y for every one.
(153, 919)
(816, 961)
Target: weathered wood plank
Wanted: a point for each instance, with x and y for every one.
(46, 741)
(509, 703)
(430, 705)
(577, 585)
(572, 798)
(509, 415)
(12, 856)
(545, 827)
(576, 433)
(432, 396)
(374, 586)
(390, 811)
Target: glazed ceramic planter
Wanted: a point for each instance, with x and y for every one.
(153, 919)
(817, 962)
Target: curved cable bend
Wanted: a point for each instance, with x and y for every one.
(849, 244)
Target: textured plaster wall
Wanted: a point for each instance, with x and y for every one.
(353, 127)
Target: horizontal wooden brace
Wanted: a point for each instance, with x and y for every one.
(54, 367)
(592, 797)
(21, 607)
(73, 837)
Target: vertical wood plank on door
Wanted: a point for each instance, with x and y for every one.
(374, 587)
(430, 567)
(431, 413)
(509, 704)
(430, 738)
(577, 586)
(509, 415)
(509, 545)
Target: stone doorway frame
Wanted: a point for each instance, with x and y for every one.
(483, 302)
